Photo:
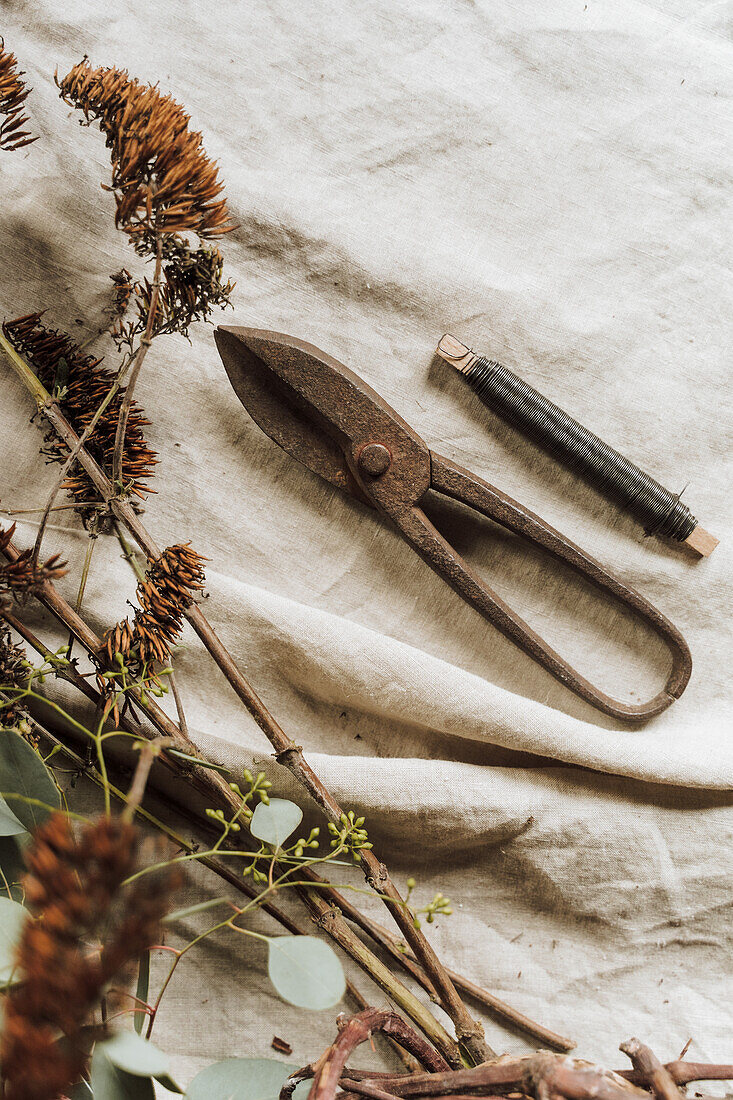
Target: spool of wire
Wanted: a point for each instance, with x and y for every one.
(659, 511)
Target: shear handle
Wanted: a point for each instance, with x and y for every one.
(452, 481)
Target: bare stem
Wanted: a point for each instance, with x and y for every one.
(85, 572)
(142, 351)
(179, 704)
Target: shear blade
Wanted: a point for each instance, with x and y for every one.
(250, 359)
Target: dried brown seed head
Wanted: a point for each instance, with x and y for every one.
(13, 94)
(162, 179)
(81, 385)
(75, 893)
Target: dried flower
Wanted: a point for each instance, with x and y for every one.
(192, 287)
(162, 179)
(80, 385)
(75, 894)
(123, 287)
(170, 583)
(21, 576)
(164, 185)
(13, 94)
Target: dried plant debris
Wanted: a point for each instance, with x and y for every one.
(80, 384)
(170, 584)
(13, 94)
(74, 890)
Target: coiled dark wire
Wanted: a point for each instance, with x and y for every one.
(661, 512)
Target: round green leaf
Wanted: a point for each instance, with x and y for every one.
(305, 971)
(135, 1055)
(12, 919)
(275, 821)
(9, 824)
(22, 772)
(240, 1079)
(109, 1082)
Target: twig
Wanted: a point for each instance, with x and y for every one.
(541, 1074)
(128, 553)
(142, 351)
(179, 704)
(355, 1032)
(149, 750)
(658, 1078)
(91, 541)
(468, 1031)
(683, 1073)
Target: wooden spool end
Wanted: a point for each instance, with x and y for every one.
(456, 353)
(702, 542)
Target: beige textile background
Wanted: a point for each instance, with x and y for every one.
(549, 181)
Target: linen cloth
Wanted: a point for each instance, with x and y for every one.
(549, 182)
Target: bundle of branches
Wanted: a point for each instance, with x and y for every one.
(540, 1076)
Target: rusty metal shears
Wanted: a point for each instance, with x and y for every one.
(324, 415)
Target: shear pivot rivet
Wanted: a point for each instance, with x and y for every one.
(374, 459)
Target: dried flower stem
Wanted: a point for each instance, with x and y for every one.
(468, 1031)
(183, 724)
(142, 351)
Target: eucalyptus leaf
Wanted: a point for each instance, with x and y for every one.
(9, 823)
(12, 919)
(109, 1082)
(133, 1054)
(22, 772)
(305, 971)
(240, 1079)
(274, 821)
